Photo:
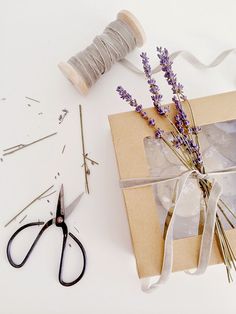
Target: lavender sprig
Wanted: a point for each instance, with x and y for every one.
(166, 65)
(139, 109)
(181, 121)
(177, 88)
(153, 87)
(171, 77)
(183, 125)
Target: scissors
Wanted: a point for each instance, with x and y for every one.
(59, 221)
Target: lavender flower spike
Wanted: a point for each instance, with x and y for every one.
(146, 66)
(181, 120)
(139, 109)
(158, 133)
(126, 96)
(166, 66)
(154, 88)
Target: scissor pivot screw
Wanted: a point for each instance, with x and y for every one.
(59, 220)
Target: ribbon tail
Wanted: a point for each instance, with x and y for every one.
(148, 285)
(188, 56)
(209, 229)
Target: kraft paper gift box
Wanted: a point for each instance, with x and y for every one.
(128, 133)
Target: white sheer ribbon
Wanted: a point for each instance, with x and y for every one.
(148, 284)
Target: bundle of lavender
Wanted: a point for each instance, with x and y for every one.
(184, 143)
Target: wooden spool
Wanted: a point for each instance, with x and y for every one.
(76, 78)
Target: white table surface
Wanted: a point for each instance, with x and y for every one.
(35, 36)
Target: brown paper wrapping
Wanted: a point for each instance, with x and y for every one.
(128, 131)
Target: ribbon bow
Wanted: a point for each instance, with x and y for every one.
(209, 226)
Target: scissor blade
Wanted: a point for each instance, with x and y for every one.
(70, 208)
(60, 203)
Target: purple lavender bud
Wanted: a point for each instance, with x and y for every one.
(177, 103)
(179, 124)
(119, 89)
(156, 98)
(146, 65)
(199, 158)
(133, 103)
(195, 130)
(161, 110)
(177, 144)
(126, 96)
(151, 81)
(181, 129)
(139, 108)
(177, 118)
(183, 115)
(180, 88)
(144, 114)
(198, 161)
(158, 133)
(151, 122)
(154, 89)
(177, 141)
(194, 147)
(186, 123)
(180, 139)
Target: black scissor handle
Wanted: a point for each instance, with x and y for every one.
(65, 236)
(9, 256)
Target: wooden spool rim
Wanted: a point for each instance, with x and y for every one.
(74, 77)
(128, 18)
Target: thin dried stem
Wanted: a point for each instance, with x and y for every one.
(83, 148)
(21, 211)
(176, 153)
(225, 216)
(13, 149)
(32, 99)
(228, 208)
